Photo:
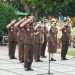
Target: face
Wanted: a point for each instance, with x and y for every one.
(66, 23)
(53, 23)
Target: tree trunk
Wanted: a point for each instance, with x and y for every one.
(32, 10)
(26, 7)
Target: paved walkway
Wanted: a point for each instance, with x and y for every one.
(13, 67)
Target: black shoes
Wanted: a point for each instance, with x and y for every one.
(38, 61)
(28, 69)
(52, 59)
(43, 56)
(64, 59)
(13, 58)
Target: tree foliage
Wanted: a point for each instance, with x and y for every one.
(7, 12)
(48, 5)
(53, 7)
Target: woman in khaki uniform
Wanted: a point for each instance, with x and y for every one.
(11, 39)
(52, 40)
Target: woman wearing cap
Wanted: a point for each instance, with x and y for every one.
(52, 40)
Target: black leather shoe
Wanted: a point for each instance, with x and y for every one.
(13, 58)
(53, 59)
(43, 56)
(38, 61)
(28, 69)
(64, 59)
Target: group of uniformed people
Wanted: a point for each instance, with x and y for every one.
(32, 40)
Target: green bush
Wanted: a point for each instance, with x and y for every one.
(7, 12)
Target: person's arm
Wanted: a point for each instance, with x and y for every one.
(30, 19)
(18, 23)
(61, 28)
(37, 25)
(56, 30)
(10, 24)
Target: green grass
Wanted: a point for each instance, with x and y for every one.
(70, 52)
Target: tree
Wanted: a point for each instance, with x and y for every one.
(7, 12)
(34, 6)
(53, 7)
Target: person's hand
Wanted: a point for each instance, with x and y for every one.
(13, 21)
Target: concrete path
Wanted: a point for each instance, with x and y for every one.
(13, 67)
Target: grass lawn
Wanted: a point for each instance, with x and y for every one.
(70, 52)
(60, 33)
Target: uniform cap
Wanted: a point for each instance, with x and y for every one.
(53, 20)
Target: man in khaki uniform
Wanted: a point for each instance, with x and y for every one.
(20, 39)
(44, 44)
(65, 39)
(38, 40)
(28, 43)
(11, 39)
